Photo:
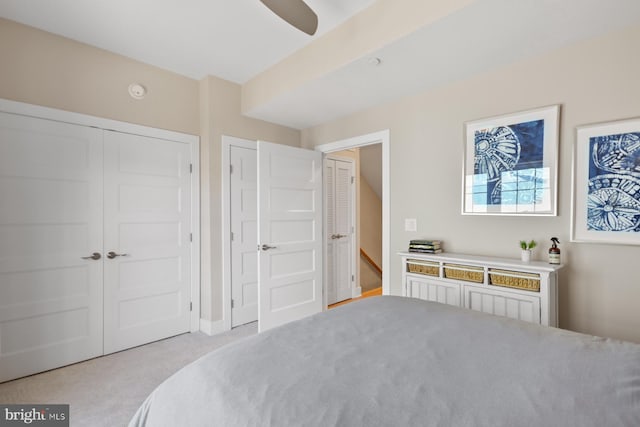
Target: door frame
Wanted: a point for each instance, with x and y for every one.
(380, 137)
(41, 112)
(227, 143)
(355, 284)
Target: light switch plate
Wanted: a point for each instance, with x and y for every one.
(410, 224)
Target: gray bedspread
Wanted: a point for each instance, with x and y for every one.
(394, 361)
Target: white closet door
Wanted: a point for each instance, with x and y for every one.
(50, 218)
(244, 229)
(290, 233)
(147, 226)
(339, 218)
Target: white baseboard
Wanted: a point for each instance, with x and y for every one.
(357, 292)
(211, 328)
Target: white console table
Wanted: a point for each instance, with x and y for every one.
(500, 286)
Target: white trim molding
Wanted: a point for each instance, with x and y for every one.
(92, 121)
(209, 327)
(195, 235)
(227, 142)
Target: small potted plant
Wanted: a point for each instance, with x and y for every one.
(526, 249)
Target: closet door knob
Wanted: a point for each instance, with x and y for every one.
(112, 255)
(95, 256)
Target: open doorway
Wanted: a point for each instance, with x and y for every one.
(249, 296)
(339, 225)
(370, 218)
(353, 212)
(373, 152)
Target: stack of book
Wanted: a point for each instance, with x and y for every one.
(425, 246)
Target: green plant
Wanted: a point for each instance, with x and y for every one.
(527, 246)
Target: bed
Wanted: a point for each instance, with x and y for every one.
(395, 361)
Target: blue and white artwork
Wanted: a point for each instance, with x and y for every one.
(508, 167)
(510, 164)
(613, 195)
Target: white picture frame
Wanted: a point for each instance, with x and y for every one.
(606, 183)
(510, 164)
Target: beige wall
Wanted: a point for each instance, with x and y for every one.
(371, 234)
(44, 69)
(594, 81)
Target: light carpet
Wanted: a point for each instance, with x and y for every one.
(106, 391)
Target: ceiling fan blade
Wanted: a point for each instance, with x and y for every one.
(296, 13)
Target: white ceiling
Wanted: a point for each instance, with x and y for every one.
(483, 36)
(237, 39)
(231, 39)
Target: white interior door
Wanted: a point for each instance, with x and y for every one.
(339, 220)
(147, 229)
(289, 234)
(50, 221)
(244, 235)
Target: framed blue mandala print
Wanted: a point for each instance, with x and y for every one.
(606, 183)
(510, 164)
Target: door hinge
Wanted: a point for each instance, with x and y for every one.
(353, 179)
(190, 167)
(232, 236)
(233, 303)
(191, 237)
(353, 278)
(230, 168)
(190, 306)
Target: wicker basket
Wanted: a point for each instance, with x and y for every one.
(423, 267)
(467, 273)
(507, 278)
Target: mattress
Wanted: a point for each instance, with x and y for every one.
(395, 361)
